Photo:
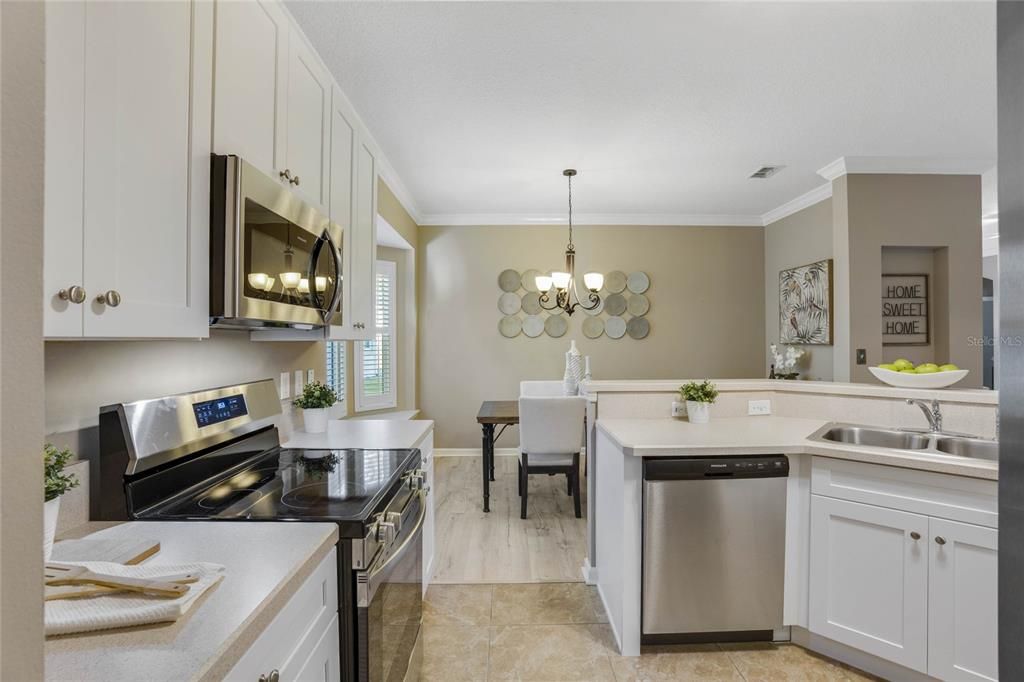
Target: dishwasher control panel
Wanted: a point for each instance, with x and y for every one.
(744, 466)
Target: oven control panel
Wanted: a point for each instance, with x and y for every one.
(210, 412)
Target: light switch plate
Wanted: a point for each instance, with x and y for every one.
(759, 407)
(298, 381)
(310, 376)
(284, 387)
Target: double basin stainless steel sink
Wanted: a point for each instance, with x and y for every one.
(933, 443)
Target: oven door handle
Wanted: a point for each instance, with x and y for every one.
(368, 581)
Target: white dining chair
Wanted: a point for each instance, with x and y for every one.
(541, 389)
(550, 442)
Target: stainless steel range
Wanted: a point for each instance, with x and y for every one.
(215, 455)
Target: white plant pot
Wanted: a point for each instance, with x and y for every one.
(51, 510)
(315, 420)
(698, 413)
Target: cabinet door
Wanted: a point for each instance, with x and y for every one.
(323, 664)
(429, 528)
(62, 208)
(364, 243)
(342, 205)
(146, 196)
(963, 601)
(309, 114)
(869, 579)
(250, 101)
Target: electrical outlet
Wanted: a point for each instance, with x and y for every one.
(284, 387)
(310, 376)
(678, 409)
(298, 381)
(862, 356)
(759, 407)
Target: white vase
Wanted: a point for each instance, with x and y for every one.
(51, 510)
(314, 420)
(573, 370)
(698, 413)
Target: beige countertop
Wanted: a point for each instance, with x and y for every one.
(265, 564)
(371, 434)
(770, 435)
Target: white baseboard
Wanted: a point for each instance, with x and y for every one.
(473, 452)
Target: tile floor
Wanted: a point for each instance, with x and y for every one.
(557, 632)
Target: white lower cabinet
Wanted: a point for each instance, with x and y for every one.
(869, 579)
(915, 589)
(302, 642)
(963, 628)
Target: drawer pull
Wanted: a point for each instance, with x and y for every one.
(914, 535)
(940, 540)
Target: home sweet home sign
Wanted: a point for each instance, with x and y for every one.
(905, 310)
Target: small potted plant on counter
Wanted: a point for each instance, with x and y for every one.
(55, 483)
(698, 397)
(314, 402)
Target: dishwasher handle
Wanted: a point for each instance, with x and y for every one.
(710, 468)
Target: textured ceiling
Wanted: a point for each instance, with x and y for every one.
(664, 108)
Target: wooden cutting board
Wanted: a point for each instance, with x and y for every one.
(128, 552)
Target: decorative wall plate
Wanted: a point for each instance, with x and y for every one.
(615, 327)
(510, 326)
(530, 279)
(615, 282)
(509, 303)
(533, 326)
(556, 326)
(531, 303)
(597, 309)
(509, 280)
(638, 327)
(638, 282)
(615, 304)
(638, 305)
(593, 327)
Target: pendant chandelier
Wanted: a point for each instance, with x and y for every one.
(565, 296)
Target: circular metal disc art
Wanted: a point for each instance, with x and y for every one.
(509, 280)
(615, 327)
(615, 282)
(556, 326)
(593, 327)
(531, 303)
(533, 326)
(509, 303)
(638, 305)
(638, 282)
(530, 279)
(597, 309)
(510, 326)
(615, 304)
(638, 327)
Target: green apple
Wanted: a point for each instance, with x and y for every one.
(950, 367)
(908, 371)
(927, 368)
(903, 363)
(889, 366)
(927, 365)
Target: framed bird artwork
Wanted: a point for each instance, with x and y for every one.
(805, 304)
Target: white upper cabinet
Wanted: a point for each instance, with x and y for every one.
(963, 604)
(251, 96)
(309, 123)
(140, 173)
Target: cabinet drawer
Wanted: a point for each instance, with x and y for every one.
(324, 663)
(971, 500)
(296, 630)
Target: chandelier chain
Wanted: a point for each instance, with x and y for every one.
(570, 212)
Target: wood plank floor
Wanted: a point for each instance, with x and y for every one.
(499, 547)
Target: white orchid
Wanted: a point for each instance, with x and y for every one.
(787, 360)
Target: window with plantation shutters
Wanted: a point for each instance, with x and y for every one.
(375, 359)
(336, 367)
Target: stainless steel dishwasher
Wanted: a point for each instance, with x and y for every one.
(714, 541)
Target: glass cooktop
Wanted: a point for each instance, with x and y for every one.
(328, 485)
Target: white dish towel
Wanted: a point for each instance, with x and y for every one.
(128, 609)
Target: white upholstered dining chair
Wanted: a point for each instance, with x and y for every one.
(550, 442)
(541, 389)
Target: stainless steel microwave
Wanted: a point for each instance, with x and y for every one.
(275, 260)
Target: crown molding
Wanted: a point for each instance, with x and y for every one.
(590, 219)
(904, 165)
(815, 196)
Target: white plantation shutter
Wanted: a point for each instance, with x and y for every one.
(375, 369)
(336, 367)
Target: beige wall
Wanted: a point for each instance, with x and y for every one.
(392, 211)
(798, 239)
(22, 37)
(707, 312)
(936, 211)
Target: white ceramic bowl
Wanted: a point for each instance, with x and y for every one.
(933, 380)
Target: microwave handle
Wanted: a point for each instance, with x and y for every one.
(336, 299)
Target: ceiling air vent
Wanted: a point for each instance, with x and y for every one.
(765, 172)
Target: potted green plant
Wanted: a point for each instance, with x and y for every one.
(699, 397)
(316, 398)
(55, 483)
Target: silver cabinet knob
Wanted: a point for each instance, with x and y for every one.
(940, 540)
(75, 294)
(914, 535)
(286, 175)
(111, 298)
(263, 678)
(274, 676)
(295, 180)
